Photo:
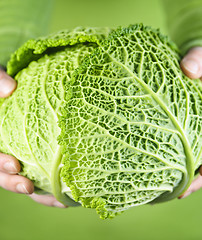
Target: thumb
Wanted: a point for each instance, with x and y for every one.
(195, 185)
(191, 64)
(7, 84)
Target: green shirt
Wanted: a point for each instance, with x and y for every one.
(21, 20)
(184, 21)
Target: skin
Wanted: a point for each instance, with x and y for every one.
(191, 65)
(9, 165)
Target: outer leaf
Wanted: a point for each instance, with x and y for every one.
(28, 119)
(35, 48)
(132, 126)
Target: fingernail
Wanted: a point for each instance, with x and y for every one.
(10, 167)
(7, 86)
(191, 65)
(186, 194)
(58, 204)
(21, 188)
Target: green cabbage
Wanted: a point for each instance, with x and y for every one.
(104, 118)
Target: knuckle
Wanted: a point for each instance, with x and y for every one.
(1, 74)
(9, 164)
(12, 182)
(6, 181)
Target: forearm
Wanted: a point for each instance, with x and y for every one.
(21, 20)
(184, 21)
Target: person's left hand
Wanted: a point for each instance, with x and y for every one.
(191, 65)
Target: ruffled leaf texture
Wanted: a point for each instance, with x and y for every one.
(110, 121)
(131, 127)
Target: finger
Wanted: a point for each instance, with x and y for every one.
(7, 84)
(48, 200)
(9, 164)
(200, 170)
(191, 64)
(195, 185)
(16, 183)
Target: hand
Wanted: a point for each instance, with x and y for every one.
(10, 166)
(191, 65)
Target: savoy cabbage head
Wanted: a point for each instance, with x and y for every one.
(104, 118)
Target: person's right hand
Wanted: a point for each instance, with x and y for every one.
(10, 166)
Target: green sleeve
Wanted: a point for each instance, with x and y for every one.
(184, 21)
(21, 20)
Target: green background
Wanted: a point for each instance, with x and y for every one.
(23, 219)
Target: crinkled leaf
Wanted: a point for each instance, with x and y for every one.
(132, 127)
